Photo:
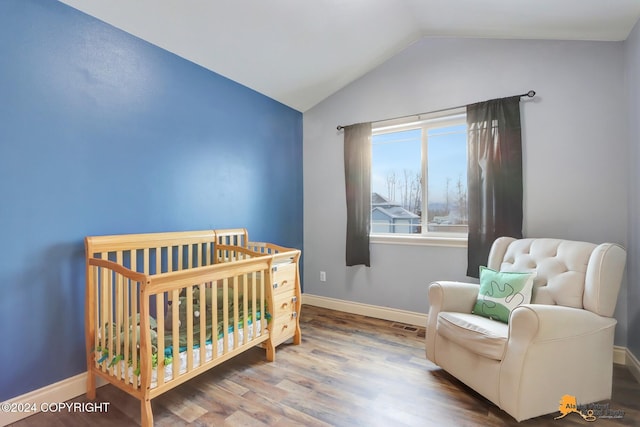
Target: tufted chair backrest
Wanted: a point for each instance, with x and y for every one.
(569, 273)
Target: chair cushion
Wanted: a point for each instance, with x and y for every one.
(477, 334)
(501, 292)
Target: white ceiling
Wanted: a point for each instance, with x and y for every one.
(300, 51)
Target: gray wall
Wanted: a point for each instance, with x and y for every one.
(632, 53)
(575, 137)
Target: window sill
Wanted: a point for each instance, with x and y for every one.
(408, 239)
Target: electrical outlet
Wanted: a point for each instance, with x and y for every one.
(323, 276)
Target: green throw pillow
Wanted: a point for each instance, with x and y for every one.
(501, 292)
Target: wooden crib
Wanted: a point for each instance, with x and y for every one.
(162, 308)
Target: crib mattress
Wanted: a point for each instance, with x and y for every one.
(128, 371)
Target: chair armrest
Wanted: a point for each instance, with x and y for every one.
(447, 296)
(551, 351)
(452, 296)
(539, 322)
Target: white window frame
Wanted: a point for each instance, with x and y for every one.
(451, 117)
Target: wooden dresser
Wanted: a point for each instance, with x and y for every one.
(284, 295)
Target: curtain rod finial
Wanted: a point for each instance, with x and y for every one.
(531, 93)
(340, 127)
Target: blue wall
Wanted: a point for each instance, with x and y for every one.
(102, 133)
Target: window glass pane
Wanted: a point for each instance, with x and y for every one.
(447, 179)
(396, 202)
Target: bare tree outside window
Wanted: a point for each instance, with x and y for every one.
(391, 185)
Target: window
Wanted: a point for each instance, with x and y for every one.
(419, 176)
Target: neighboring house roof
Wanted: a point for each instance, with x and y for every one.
(397, 213)
(391, 209)
(377, 199)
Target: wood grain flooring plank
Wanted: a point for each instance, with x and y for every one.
(349, 370)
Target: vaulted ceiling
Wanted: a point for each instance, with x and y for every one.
(299, 52)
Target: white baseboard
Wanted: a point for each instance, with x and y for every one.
(53, 393)
(619, 355)
(386, 313)
(633, 364)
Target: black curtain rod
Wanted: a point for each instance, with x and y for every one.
(530, 94)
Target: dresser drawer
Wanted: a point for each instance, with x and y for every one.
(284, 278)
(284, 326)
(285, 302)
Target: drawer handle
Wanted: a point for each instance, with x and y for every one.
(284, 282)
(294, 299)
(275, 285)
(294, 314)
(284, 304)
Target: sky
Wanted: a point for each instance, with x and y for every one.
(400, 151)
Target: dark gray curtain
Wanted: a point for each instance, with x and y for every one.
(494, 176)
(357, 173)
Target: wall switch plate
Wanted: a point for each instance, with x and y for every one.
(323, 276)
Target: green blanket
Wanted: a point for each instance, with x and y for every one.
(182, 329)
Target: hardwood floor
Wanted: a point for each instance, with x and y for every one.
(349, 370)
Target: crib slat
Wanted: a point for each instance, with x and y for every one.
(190, 311)
(135, 350)
(245, 308)
(119, 315)
(111, 319)
(236, 315)
(203, 322)
(136, 338)
(158, 259)
(133, 356)
(106, 318)
(146, 262)
(146, 351)
(254, 324)
(133, 255)
(266, 281)
(175, 329)
(102, 313)
(214, 318)
(128, 351)
(135, 335)
(225, 315)
(160, 323)
(94, 307)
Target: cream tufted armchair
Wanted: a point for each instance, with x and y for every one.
(560, 344)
